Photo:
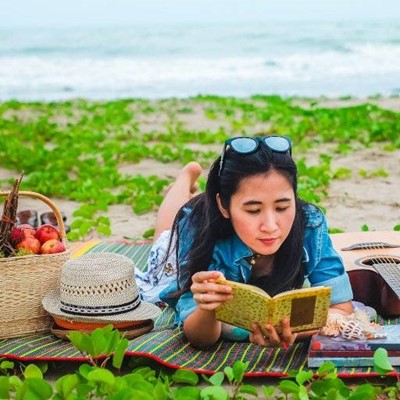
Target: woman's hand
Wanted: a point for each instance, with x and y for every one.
(208, 294)
(273, 339)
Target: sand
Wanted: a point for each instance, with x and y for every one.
(350, 204)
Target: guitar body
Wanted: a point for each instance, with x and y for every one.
(372, 260)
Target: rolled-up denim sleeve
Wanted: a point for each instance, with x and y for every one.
(324, 266)
(341, 288)
(185, 306)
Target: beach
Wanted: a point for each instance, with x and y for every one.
(101, 106)
(355, 202)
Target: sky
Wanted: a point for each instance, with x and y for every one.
(69, 13)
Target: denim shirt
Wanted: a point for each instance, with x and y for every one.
(322, 264)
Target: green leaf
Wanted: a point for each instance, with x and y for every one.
(381, 361)
(287, 387)
(229, 374)
(15, 382)
(6, 365)
(37, 388)
(364, 392)
(101, 375)
(85, 369)
(217, 379)
(303, 376)
(249, 389)
(4, 387)
(160, 391)
(239, 368)
(66, 384)
(32, 371)
(364, 228)
(214, 393)
(268, 391)
(303, 395)
(185, 376)
(186, 393)
(76, 339)
(119, 353)
(104, 230)
(99, 342)
(326, 368)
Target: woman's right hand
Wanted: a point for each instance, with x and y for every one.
(208, 294)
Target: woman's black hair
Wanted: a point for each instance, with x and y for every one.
(208, 225)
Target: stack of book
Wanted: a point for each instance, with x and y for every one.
(353, 353)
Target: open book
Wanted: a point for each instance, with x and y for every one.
(307, 308)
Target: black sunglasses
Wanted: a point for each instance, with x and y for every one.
(248, 145)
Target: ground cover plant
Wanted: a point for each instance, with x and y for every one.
(97, 379)
(77, 149)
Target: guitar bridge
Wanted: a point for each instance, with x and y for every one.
(370, 246)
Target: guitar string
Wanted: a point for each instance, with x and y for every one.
(387, 263)
(384, 259)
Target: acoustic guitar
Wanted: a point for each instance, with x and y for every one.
(372, 260)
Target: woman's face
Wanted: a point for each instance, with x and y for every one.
(262, 211)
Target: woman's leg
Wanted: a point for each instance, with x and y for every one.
(181, 191)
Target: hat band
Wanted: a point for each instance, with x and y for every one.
(100, 310)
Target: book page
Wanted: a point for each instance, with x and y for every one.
(249, 305)
(307, 308)
(244, 286)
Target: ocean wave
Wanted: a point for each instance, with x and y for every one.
(319, 59)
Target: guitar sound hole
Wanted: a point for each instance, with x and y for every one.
(370, 261)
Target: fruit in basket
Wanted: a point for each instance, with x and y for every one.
(30, 244)
(28, 230)
(17, 235)
(52, 246)
(47, 232)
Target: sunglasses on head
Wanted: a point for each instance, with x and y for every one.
(248, 145)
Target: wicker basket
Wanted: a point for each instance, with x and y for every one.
(25, 280)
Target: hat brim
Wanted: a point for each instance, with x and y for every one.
(129, 333)
(51, 303)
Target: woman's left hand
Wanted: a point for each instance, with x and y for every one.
(273, 339)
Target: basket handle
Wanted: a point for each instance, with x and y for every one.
(47, 201)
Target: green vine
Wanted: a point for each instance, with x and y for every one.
(96, 379)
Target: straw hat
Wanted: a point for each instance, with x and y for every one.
(98, 287)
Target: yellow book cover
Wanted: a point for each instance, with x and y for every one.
(307, 308)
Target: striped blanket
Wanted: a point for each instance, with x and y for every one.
(166, 344)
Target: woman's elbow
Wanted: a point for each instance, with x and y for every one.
(345, 308)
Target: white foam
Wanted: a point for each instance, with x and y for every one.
(51, 76)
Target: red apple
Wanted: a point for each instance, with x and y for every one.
(17, 235)
(52, 246)
(28, 230)
(47, 232)
(30, 244)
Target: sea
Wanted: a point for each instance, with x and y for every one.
(332, 59)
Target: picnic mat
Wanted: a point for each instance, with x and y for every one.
(166, 343)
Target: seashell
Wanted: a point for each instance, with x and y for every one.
(362, 317)
(330, 329)
(350, 329)
(332, 325)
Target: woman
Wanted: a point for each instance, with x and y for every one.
(249, 226)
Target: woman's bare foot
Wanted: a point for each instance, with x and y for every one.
(193, 170)
(181, 191)
(190, 173)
